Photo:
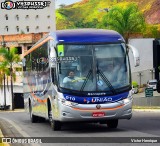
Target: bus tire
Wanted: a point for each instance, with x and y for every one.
(33, 118)
(112, 123)
(55, 125)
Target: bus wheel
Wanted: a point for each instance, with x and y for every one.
(33, 118)
(112, 123)
(56, 125)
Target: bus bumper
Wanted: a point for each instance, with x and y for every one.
(86, 112)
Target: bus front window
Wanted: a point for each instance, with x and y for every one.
(112, 66)
(76, 68)
(94, 68)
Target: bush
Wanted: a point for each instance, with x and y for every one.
(135, 84)
(140, 90)
(144, 85)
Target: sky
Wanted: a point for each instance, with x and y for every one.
(66, 2)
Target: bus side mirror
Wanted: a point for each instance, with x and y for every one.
(135, 55)
(158, 86)
(52, 62)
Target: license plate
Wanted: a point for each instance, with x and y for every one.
(98, 114)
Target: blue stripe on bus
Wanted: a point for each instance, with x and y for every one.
(95, 100)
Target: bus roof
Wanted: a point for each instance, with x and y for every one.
(80, 36)
(87, 36)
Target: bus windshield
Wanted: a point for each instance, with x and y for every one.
(101, 68)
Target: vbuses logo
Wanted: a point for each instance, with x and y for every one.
(8, 5)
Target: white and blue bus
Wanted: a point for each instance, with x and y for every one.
(99, 89)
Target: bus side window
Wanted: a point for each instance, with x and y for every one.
(53, 75)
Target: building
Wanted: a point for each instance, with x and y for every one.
(24, 21)
(22, 26)
(149, 50)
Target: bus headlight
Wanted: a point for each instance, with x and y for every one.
(68, 103)
(127, 100)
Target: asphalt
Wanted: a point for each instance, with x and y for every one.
(9, 130)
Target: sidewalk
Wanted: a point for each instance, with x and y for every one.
(139, 95)
(140, 100)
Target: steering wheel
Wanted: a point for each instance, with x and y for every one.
(78, 79)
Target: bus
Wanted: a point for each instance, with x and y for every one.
(99, 89)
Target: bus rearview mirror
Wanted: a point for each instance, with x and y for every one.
(135, 55)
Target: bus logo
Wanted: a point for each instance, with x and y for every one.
(98, 106)
(101, 99)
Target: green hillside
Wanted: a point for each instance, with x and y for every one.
(89, 13)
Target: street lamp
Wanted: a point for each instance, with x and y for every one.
(152, 71)
(140, 77)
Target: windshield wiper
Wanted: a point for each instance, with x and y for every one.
(108, 83)
(86, 80)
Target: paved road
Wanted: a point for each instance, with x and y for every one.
(142, 124)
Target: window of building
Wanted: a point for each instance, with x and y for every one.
(17, 28)
(37, 16)
(19, 49)
(6, 16)
(28, 47)
(48, 16)
(27, 16)
(49, 27)
(17, 17)
(7, 28)
(37, 27)
(27, 27)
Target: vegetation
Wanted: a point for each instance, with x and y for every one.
(95, 14)
(10, 57)
(135, 84)
(125, 19)
(3, 75)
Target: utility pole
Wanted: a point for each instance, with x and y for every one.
(140, 77)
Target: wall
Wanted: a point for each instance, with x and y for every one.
(16, 89)
(145, 48)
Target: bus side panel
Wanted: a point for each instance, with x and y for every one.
(37, 80)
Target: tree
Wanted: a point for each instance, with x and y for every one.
(151, 31)
(125, 19)
(3, 75)
(82, 24)
(10, 57)
(62, 5)
(63, 19)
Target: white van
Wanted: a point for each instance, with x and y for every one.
(152, 84)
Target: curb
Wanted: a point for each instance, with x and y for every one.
(146, 110)
(1, 136)
(9, 111)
